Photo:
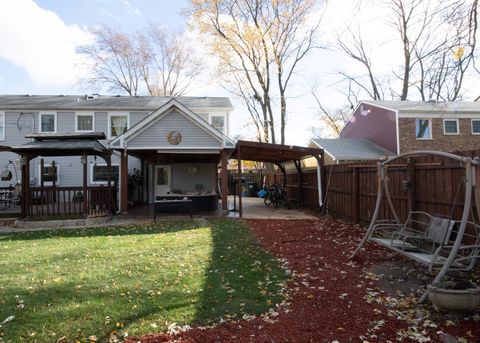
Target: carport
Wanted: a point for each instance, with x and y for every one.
(271, 153)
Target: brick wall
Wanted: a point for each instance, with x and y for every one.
(460, 142)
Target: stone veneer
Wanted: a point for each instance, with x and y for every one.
(463, 141)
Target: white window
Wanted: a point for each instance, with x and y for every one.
(450, 126)
(423, 129)
(118, 124)
(84, 122)
(48, 122)
(2, 126)
(48, 174)
(476, 126)
(99, 174)
(218, 122)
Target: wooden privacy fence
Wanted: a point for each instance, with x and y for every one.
(428, 184)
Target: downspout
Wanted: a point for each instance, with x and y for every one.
(319, 181)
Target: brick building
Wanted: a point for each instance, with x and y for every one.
(403, 126)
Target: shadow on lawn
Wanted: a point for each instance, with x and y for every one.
(120, 230)
(241, 277)
(87, 310)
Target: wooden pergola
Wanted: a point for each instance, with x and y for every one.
(59, 144)
(269, 153)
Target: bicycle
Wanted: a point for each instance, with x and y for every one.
(277, 196)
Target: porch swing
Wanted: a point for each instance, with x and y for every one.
(437, 242)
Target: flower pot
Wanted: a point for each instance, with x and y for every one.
(460, 300)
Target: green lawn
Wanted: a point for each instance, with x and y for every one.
(134, 279)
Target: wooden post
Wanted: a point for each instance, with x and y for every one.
(239, 162)
(25, 186)
(356, 196)
(123, 181)
(224, 180)
(147, 181)
(84, 189)
(42, 185)
(298, 165)
(411, 199)
(111, 198)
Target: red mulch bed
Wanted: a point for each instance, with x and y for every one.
(327, 294)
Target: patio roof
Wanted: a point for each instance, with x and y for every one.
(273, 153)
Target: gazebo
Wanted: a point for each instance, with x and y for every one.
(53, 200)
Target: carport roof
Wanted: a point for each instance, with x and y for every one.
(273, 153)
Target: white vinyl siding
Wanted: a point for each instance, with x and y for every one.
(2, 126)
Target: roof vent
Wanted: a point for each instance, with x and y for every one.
(91, 96)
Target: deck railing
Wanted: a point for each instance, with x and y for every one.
(70, 201)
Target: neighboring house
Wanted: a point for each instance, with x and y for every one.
(403, 126)
(349, 149)
(175, 143)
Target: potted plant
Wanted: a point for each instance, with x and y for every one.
(461, 296)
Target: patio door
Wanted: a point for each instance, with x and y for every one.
(163, 180)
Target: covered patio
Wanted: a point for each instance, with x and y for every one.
(276, 154)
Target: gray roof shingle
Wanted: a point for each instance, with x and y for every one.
(352, 149)
(82, 102)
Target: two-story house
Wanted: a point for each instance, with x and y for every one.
(174, 143)
(378, 128)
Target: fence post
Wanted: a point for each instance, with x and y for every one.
(356, 198)
(412, 185)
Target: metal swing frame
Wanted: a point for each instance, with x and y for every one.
(471, 182)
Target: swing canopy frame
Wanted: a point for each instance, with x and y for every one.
(435, 241)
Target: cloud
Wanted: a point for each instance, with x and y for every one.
(135, 10)
(38, 41)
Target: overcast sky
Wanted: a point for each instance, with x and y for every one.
(39, 41)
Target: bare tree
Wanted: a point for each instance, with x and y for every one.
(291, 39)
(113, 61)
(356, 50)
(158, 62)
(333, 120)
(438, 44)
(168, 65)
(263, 41)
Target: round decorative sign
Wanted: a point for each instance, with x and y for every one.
(174, 137)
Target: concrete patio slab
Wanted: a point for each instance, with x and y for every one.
(254, 208)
